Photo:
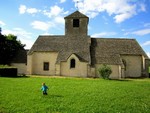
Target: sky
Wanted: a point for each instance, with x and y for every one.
(27, 19)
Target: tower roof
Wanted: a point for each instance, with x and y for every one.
(76, 14)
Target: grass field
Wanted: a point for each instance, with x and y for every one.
(74, 95)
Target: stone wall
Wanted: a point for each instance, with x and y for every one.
(36, 60)
(134, 65)
(21, 67)
(80, 69)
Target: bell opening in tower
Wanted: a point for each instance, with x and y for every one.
(76, 23)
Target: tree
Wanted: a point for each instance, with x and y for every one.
(9, 46)
(0, 30)
(105, 71)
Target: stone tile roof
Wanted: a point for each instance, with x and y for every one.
(101, 50)
(108, 50)
(63, 45)
(48, 43)
(76, 14)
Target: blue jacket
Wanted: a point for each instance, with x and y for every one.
(44, 88)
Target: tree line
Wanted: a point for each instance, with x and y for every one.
(9, 46)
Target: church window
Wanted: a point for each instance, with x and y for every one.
(72, 63)
(75, 22)
(46, 66)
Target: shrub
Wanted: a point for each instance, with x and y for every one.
(6, 71)
(105, 71)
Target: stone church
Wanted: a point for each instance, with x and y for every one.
(79, 55)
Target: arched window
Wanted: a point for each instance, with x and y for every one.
(72, 63)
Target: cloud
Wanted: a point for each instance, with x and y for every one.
(59, 20)
(54, 11)
(141, 32)
(32, 10)
(62, 1)
(148, 54)
(42, 25)
(89, 7)
(122, 17)
(119, 9)
(2, 23)
(45, 26)
(23, 9)
(24, 36)
(147, 43)
(104, 34)
(56, 15)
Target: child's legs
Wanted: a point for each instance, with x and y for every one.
(44, 93)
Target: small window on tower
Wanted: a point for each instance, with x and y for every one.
(75, 22)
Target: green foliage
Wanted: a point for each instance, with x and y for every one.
(4, 66)
(74, 95)
(105, 71)
(9, 46)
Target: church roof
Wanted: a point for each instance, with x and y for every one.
(102, 50)
(76, 14)
(109, 50)
(48, 43)
(61, 45)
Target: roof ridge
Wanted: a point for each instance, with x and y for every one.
(77, 14)
(51, 35)
(114, 38)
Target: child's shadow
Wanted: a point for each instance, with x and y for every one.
(56, 96)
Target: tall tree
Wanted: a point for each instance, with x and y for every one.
(9, 46)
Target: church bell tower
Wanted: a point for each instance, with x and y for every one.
(76, 24)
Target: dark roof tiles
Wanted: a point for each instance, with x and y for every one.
(101, 50)
(108, 50)
(76, 14)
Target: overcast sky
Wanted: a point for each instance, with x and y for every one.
(27, 19)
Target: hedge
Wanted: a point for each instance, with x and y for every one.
(8, 72)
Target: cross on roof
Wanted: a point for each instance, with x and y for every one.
(77, 3)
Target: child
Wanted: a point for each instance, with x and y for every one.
(44, 89)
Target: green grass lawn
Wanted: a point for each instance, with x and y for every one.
(74, 95)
